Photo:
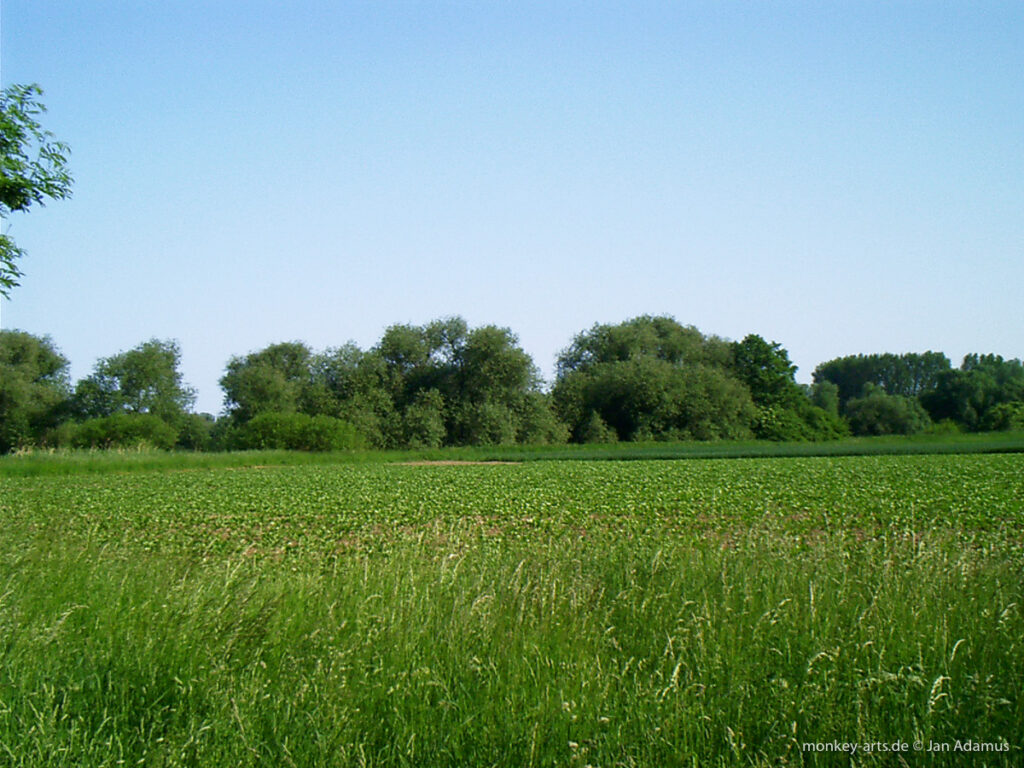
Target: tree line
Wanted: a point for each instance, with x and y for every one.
(444, 383)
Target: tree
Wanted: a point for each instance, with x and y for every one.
(825, 395)
(33, 388)
(766, 370)
(786, 411)
(422, 422)
(492, 367)
(274, 379)
(348, 383)
(143, 380)
(908, 375)
(645, 336)
(878, 413)
(33, 167)
(495, 392)
(650, 377)
(480, 384)
(968, 394)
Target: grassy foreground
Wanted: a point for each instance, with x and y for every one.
(664, 613)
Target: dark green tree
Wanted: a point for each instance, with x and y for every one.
(143, 380)
(349, 384)
(649, 398)
(491, 379)
(650, 377)
(825, 395)
(275, 379)
(419, 386)
(967, 395)
(34, 388)
(660, 337)
(482, 385)
(908, 375)
(422, 421)
(766, 370)
(33, 168)
(879, 413)
(785, 410)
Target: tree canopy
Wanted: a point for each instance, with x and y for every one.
(143, 380)
(649, 377)
(907, 375)
(653, 378)
(33, 388)
(444, 384)
(33, 168)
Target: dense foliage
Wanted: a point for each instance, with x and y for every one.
(34, 388)
(439, 384)
(647, 378)
(446, 384)
(33, 168)
(890, 394)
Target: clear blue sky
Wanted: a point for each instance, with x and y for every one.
(840, 177)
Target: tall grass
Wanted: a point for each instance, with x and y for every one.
(633, 651)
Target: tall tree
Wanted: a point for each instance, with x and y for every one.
(143, 380)
(786, 411)
(349, 384)
(650, 377)
(273, 380)
(659, 337)
(495, 390)
(479, 383)
(33, 168)
(907, 375)
(33, 388)
(766, 370)
(969, 394)
(879, 413)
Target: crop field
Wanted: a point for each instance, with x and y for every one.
(708, 612)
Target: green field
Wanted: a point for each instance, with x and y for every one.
(67, 462)
(607, 613)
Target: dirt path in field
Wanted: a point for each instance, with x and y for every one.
(454, 463)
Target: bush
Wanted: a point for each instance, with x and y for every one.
(122, 430)
(486, 423)
(779, 424)
(423, 421)
(326, 433)
(294, 431)
(944, 427)
(195, 432)
(595, 430)
(823, 424)
(880, 414)
(538, 424)
(1004, 417)
(803, 421)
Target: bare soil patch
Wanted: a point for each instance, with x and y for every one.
(454, 463)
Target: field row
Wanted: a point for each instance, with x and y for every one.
(323, 510)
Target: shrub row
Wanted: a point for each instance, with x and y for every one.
(287, 431)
